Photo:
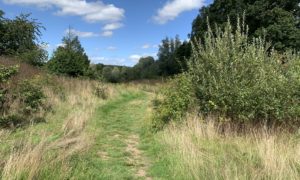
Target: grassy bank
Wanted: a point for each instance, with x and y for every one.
(198, 150)
(43, 150)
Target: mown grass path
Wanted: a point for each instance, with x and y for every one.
(115, 153)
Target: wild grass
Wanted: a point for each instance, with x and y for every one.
(43, 150)
(206, 150)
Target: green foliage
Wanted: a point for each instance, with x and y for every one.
(146, 68)
(175, 102)
(278, 20)
(69, 59)
(20, 37)
(36, 57)
(20, 106)
(168, 64)
(5, 74)
(30, 96)
(245, 80)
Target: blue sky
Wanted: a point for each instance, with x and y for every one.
(111, 31)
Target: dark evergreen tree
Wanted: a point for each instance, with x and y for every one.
(69, 59)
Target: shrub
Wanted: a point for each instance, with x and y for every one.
(30, 97)
(101, 91)
(175, 102)
(23, 105)
(243, 80)
(36, 57)
(5, 74)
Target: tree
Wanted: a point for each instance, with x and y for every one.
(277, 20)
(182, 54)
(69, 59)
(145, 68)
(20, 37)
(168, 64)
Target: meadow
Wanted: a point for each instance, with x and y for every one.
(88, 135)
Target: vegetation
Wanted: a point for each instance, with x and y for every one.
(276, 20)
(22, 101)
(229, 109)
(197, 150)
(20, 37)
(69, 59)
(238, 80)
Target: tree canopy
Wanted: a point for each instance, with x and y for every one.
(70, 58)
(20, 37)
(277, 20)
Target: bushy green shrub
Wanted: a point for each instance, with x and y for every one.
(174, 102)
(23, 105)
(5, 74)
(245, 80)
(30, 96)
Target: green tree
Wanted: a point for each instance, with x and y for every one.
(21, 37)
(69, 59)
(142, 68)
(277, 20)
(168, 65)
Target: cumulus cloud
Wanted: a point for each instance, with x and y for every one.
(91, 12)
(82, 34)
(108, 60)
(107, 33)
(174, 8)
(112, 26)
(60, 45)
(135, 58)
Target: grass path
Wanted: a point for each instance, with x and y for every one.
(116, 152)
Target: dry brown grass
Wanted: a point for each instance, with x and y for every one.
(28, 158)
(205, 151)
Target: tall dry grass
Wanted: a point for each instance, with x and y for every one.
(28, 157)
(201, 150)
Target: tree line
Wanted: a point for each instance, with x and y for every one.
(275, 20)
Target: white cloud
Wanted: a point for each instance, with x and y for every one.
(82, 34)
(112, 26)
(90, 11)
(135, 58)
(173, 8)
(146, 46)
(111, 48)
(60, 45)
(107, 33)
(108, 60)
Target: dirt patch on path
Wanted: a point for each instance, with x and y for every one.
(136, 158)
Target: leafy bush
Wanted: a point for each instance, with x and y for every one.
(36, 57)
(5, 74)
(23, 105)
(175, 102)
(30, 97)
(243, 80)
